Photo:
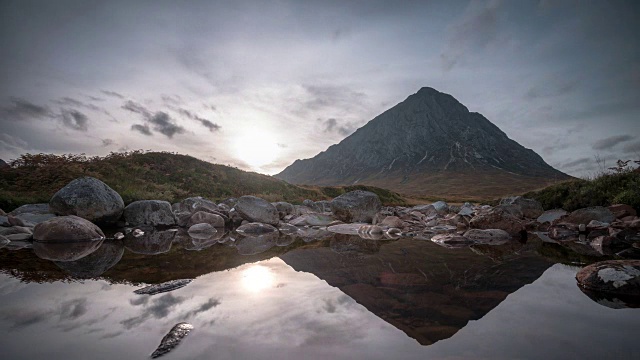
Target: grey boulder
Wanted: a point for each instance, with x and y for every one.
(356, 206)
(88, 198)
(255, 209)
(67, 229)
(530, 208)
(149, 212)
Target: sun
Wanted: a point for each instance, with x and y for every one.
(256, 148)
(257, 278)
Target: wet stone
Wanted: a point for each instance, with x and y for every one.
(613, 276)
(252, 245)
(163, 287)
(150, 242)
(172, 339)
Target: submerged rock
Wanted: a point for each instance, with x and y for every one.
(313, 220)
(149, 212)
(614, 276)
(163, 287)
(452, 240)
(88, 198)
(356, 206)
(346, 229)
(255, 228)
(256, 209)
(172, 339)
(488, 236)
(150, 242)
(252, 245)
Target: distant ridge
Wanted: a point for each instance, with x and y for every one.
(428, 145)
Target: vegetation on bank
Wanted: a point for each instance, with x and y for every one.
(622, 186)
(138, 175)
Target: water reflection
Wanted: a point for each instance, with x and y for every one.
(338, 296)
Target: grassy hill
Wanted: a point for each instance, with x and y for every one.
(138, 175)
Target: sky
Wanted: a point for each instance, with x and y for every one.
(259, 84)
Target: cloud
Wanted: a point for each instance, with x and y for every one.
(159, 308)
(21, 109)
(577, 162)
(12, 144)
(282, 146)
(165, 125)
(210, 125)
(112, 94)
(107, 142)
(610, 142)
(67, 101)
(210, 304)
(171, 99)
(74, 119)
(331, 126)
(477, 28)
(136, 108)
(633, 147)
(73, 309)
(143, 129)
(323, 96)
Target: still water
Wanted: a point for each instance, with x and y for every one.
(330, 297)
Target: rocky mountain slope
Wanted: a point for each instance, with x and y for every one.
(429, 144)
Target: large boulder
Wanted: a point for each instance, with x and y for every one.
(67, 229)
(284, 208)
(614, 276)
(324, 205)
(205, 217)
(497, 219)
(149, 212)
(584, 216)
(530, 208)
(356, 206)
(255, 209)
(88, 198)
(311, 205)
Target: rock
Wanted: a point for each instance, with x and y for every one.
(287, 229)
(497, 219)
(584, 216)
(597, 225)
(2, 213)
(193, 203)
(163, 287)
(255, 209)
(31, 220)
(300, 210)
(346, 229)
(550, 216)
(311, 234)
(392, 221)
(324, 205)
(488, 236)
(284, 209)
(512, 209)
(15, 230)
(313, 220)
(41, 208)
(4, 221)
(285, 240)
(88, 198)
(196, 241)
(202, 228)
(67, 228)
(201, 217)
(4, 241)
(607, 245)
(252, 245)
(149, 212)
(353, 246)
(65, 251)
(466, 210)
(118, 236)
(311, 205)
(137, 233)
(560, 232)
(230, 202)
(356, 206)
(426, 210)
(14, 221)
(256, 229)
(150, 242)
(172, 339)
(19, 237)
(622, 210)
(614, 276)
(441, 207)
(530, 208)
(451, 240)
(96, 263)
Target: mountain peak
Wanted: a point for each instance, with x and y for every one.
(422, 146)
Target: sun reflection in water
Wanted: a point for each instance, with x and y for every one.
(257, 278)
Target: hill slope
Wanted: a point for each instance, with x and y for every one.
(430, 144)
(153, 175)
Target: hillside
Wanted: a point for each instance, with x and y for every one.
(138, 175)
(429, 145)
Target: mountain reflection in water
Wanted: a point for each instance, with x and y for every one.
(338, 296)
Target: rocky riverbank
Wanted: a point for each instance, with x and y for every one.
(79, 211)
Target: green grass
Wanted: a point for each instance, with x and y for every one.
(604, 190)
(137, 175)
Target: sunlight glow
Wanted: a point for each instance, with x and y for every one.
(256, 148)
(257, 278)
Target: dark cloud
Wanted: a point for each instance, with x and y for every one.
(74, 119)
(143, 129)
(210, 304)
(331, 126)
(633, 147)
(210, 125)
(137, 108)
(67, 101)
(21, 109)
(112, 94)
(165, 125)
(159, 308)
(610, 142)
(107, 142)
(171, 99)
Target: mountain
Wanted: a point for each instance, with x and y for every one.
(137, 175)
(429, 145)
